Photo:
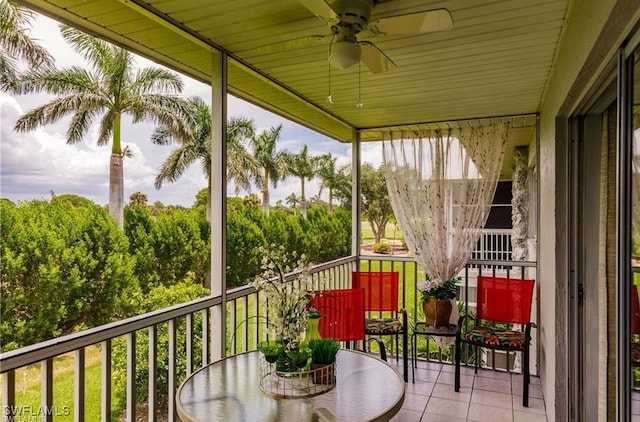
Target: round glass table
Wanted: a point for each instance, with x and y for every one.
(367, 389)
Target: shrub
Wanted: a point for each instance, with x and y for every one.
(382, 247)
(158, 298)
(64, 267)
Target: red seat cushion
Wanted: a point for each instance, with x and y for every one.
(490, 337)
(383, 326)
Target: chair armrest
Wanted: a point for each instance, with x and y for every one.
(461, 320)
(405, 321)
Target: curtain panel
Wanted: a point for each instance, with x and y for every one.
(441, 185)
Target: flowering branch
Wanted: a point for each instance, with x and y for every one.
(286, 305)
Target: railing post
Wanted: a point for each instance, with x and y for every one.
(78, 390)
(131, 376)
(46, 389)
(153, 371)
(8, 394)
(172, 414)
(106, 381)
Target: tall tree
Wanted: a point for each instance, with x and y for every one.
(113, 86)
(304, 167)
(271, 162)
(292, 200)
(376, 206)
(333, 178)
(195, 144)
(16, 45)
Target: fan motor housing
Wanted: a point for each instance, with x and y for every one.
(354, 12)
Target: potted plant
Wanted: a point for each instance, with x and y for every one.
(286, 303)
(323, 355)
(437, 300)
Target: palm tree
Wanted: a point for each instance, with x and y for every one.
(292, 200)
(110, 88)
(271, 162)
(333, 178)
(15, 45)
(195, 144)
(304, 167)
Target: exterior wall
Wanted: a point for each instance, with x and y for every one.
(584, 24)
(593, 33)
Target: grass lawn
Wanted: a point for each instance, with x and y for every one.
(366, 233)
(28, 387)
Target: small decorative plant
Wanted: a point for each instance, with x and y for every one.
(429, 288)
(324, 351)
(287, 295)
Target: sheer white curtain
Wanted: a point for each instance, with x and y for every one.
(441, 184)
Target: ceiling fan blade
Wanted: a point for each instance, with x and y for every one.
(429, 21)
(293, 44)
(374, 58)
(320, 8)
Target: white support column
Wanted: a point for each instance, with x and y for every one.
(355, 197)
(218, 201)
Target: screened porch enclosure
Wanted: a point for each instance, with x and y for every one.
(540, 67)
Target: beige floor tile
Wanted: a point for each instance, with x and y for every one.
(466, 370)
(445, 391)
(405, 415)
(444, 407)
(490, 384)
(528, 417)
(434, 366)
(429, 417)
(421, 387)
(535, 390)
(535, 405)
(492, 398)
(414, 402)
(449, 378)
(497, 375)
(426, 375)
(532, 379)
(484, 413)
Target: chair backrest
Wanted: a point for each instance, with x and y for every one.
(505, 299)
(341, 314)
(380, 289)
(635, 310)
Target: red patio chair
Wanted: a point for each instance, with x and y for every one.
(500, 300)
(341, 314)
(384, 315)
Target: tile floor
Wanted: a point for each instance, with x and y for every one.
(487, 396)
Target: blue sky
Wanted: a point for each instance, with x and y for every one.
(34, 164)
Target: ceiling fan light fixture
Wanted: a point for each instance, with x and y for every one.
(344, 54)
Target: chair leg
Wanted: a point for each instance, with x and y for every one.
(405, 351)
(526, 380)
(477, 351)
(457, 371)
(414, 357)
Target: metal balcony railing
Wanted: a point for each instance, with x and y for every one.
(189, 340)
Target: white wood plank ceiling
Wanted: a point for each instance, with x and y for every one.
(495, 62)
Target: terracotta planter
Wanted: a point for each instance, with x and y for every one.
(437, 312)
(322, 373)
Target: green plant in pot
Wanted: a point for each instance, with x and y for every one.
(323, 355)
(437, 300)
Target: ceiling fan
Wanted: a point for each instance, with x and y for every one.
(350, 19)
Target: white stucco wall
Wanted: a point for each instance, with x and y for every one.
(585, 22)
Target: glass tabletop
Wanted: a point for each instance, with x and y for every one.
(367, 389)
